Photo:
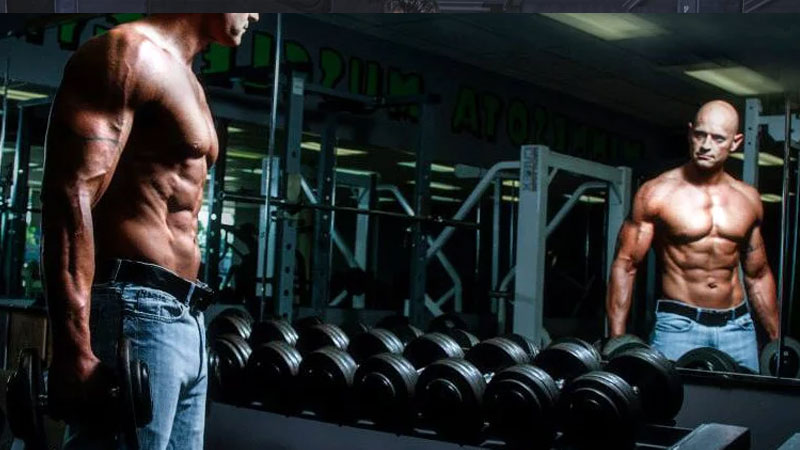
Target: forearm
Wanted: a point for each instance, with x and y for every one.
(618, 297)
(763, 301)
(68, 264)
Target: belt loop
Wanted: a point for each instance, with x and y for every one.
(697, 315)
(117, 266)
(189, 295)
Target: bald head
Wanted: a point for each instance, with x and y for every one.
(714, 135)
(719, 112)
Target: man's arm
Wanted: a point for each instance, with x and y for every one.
(758, 280)
(635, 238)
(89, 123)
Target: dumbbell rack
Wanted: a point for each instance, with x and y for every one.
(229, 426)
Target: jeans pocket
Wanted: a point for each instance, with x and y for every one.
(153, 304)
(745, 322)
(673, 323)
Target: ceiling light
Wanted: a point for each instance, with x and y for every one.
(244, 154)
(442, 198)
(354, 171)
(235, 130)
(770, 198)
(737, 80)
(231, 178)
(588, 198)
(340, 151)
(440, 186)
(510, 198)
(15, 94)
(764, 159)
(610, 27)
(511, 183)
(434, 167)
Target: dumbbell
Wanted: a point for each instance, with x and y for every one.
(230, 321)
(450, 391)
(126, 403)
(790, 358)
(621, 343)
(520, 402)
(271, 375)
(401, 327)
(325, 379)
(608, 407)
(527, 344)
(374, 342)
(385, 383)
(227, 358)
(708, 359)
(273, 330)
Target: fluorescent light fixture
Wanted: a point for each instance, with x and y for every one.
(231, 178)
(244, 154)
(386, 199)
(511, 183)
(440, 186)
(441, 168)
(442, 198)
(588, 198)
(770, 198)
(764, 159)
(235, 130)
(737, 80)
(16, 94)
(340, 151)
(610, 27)
(510, 198)
(354, 171)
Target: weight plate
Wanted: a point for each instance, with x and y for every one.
(621, 343)
(790, 361)
(271, 374)
(567, 360)
(431, 347)
(528, 345)
(273, 330)
(374, 342)
(658, 383)
(384, 385)
(400, 326)
(446, 321)
(580, 342)
(708, 359)
(465, 339)
(496, 354)
(449, 393)
(23, 390)
(326, 377)
(316, 337)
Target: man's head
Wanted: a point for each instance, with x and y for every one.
(714, 135)
(228, 28)
(410, 6)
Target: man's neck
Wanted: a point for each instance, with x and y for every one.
(182, 34)
(703, 177)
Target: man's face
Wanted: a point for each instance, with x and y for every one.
(229, 28)
(712, 138)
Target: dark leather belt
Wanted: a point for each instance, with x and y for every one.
(707, 317)
(195, 295)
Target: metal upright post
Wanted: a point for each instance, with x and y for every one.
(498, 186)
(419, 244)
(529, 287)
(215, 189)
(618, 204)
(752, 120)
(15, 247)
(366, 200)
(323, 220)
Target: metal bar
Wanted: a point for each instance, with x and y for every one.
(276, 76)
(795, 227)
(498, 191)
(570, 203)
(469, 203)
(323, 220)
(366, 200)
(335, 236)
(784, 266)
(17, 213)
(584, 167)
(215, 188)
(478, 210)
(5, 114)
(418, 301)
(752, 120)
(528, 296)
(266, 238)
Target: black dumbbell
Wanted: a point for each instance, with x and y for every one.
(621, 343)
(374, 342)
(527, 344)
(582, 343)
(227, 359)
(273, 330)
(230, 321)
(401, 327)
(126, 405)
(607, 407)
(326, 378)
(520, 402)
(385, 383)
(708, 359)
(446, 321)
(450, 391)
(790, 358)
(271, 374)
(308, 321)
(315, 337)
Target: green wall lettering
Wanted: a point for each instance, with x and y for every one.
(517, 123)
(490, 104)
(465, 113)
(331, 63)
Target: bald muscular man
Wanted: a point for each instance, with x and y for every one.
(129, 143)
(703, 223)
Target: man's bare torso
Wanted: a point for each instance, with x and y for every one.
(700, 231)
(150, 208)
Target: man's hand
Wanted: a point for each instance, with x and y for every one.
(78, 387)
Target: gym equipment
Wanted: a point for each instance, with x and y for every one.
(326, 378)
(580, 342)
(610, 406)
(306, 322)
(227, 359)
(464, 339)
(230, 321)
(271, 374)
(564, 361)
(125, 406)
(400, 326)
(374, 342)
(528, 345)
(450, 391)
(708, 359)
(273, 330)
(431, 347)
(790, 358)
(315, 337)
(619, 344)
(384, 386)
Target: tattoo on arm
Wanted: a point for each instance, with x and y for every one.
(750, 248)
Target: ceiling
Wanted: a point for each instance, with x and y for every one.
(643, 76)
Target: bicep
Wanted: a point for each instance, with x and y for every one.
(635, 239)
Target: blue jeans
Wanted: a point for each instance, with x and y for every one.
(171, 339)
(674, 335)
